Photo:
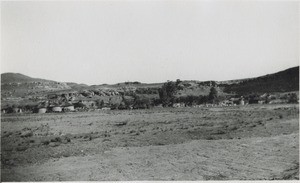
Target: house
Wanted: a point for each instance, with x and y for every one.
(198, 106)
(89, 103)
(260, 101)
(159, 106)
(235, 101)
(178, 105)
(242, 102)
(80, 105)
(56, 109)
(42, 107)
(67, 107)
(227, 103)
(209, 105)
(17, 110)
(42, 110)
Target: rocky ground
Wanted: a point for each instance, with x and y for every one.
(255, 142)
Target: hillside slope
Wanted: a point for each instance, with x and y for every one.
(19, 78)
(27, 89)
(283, 81)
(19, 85)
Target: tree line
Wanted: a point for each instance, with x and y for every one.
(167, 95)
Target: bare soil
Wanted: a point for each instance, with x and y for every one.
(255, 142)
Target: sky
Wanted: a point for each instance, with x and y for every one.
(96, 42)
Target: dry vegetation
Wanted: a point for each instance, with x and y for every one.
(240, 143)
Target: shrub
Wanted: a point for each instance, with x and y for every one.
(21, 148)
(167, 92)
(56, 139)
(293, 98)
(213, 95)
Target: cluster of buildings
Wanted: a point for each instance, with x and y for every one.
(45, 107)
(64, 105)
(41, 109)
(227, 102)
(69, 108)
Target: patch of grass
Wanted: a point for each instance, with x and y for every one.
(159, 144)
(27, 134)
(45, 141)
(31, 141)
(21, 148)
(233, 128)
(219, 176)
(56, 139)
(210, 138)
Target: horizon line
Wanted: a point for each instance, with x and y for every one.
(147, 82)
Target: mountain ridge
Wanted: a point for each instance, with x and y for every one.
(19, 85)
(11, 77)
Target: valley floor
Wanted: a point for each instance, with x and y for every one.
(255, 142)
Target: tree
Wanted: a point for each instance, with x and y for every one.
(127, 102)
(213, 95)
(100, 103)
(190, 100)
(122, 106)
(167, 93)
(203, 99)
(179, 85)
(141, 102)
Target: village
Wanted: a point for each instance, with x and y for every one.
(115, 101)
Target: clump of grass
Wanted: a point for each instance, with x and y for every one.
(56, 139)
(219, 176)
(234, 128)
(66, 154)
(132, 131)
(32, 141)
(220, 132)
(27, 134)
(45, 142)
(7, 134)
(160, 144)
(21, 148)
(209, 138)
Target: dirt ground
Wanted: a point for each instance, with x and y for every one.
(255, 142)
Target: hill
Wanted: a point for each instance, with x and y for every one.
(19, 85)
(283, 81)
(19, 89)
(19, 78)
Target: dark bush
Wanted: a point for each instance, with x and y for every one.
(56, 139)
(293, 98)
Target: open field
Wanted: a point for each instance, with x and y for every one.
(232, 143)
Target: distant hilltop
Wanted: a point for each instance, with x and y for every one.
(18, 89)
(283, 81)
(286, 80)
(19, 78)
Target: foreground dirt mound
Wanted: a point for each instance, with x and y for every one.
(240, 143)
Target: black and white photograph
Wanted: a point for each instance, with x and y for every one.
(149, 90)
